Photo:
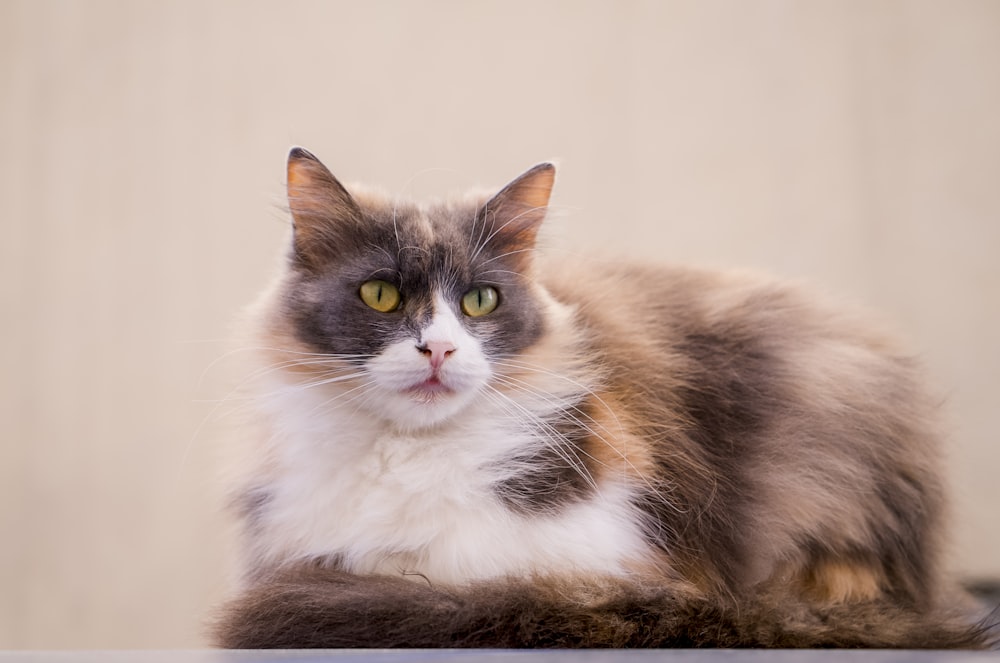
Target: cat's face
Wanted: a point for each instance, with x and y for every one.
(412, 308)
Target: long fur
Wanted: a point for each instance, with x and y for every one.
(618, 455)
(321, 608)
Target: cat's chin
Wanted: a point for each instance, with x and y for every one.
(424, 405)
(430, 391)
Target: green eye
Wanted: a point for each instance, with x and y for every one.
(381, 296)
(480, 301)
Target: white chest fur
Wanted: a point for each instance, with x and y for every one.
(390, 502)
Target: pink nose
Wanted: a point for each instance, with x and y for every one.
(438, 351)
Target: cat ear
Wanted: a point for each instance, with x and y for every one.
(513, 216)
(319, 204)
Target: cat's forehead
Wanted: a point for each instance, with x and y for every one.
(412, 227)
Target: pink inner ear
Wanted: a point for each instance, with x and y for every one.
(535, 187)
(519, 209)
(319, 204)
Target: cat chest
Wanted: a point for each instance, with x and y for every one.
(401, 504)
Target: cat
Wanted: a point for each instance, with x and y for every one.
(461, 441)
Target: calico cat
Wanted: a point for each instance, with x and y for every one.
(462, 443)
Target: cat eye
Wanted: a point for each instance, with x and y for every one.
(381, 296)
(480, 301)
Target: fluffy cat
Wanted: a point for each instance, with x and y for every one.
(462, 443)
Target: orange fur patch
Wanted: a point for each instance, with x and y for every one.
(842, 581)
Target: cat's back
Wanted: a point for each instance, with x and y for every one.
(757, 329)
(744, 344)
(668, 303)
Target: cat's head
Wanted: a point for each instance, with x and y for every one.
(409, 308)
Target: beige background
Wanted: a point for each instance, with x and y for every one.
(852, 143)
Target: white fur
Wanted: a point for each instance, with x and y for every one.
(402, 366)
(397, 485)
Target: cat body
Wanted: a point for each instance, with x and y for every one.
(459, 443)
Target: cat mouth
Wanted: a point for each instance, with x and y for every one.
(429, 390)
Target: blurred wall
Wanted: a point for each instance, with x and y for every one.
(851, 143)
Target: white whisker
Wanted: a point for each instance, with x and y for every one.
(554, 431)
(497, 231)
(330, 401)
(526, 387)
(509, 253)
(520, 365)
(565, 451)
(482, 228)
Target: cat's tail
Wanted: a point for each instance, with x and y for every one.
(329, 609)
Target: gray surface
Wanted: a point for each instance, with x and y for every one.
(496, 656)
